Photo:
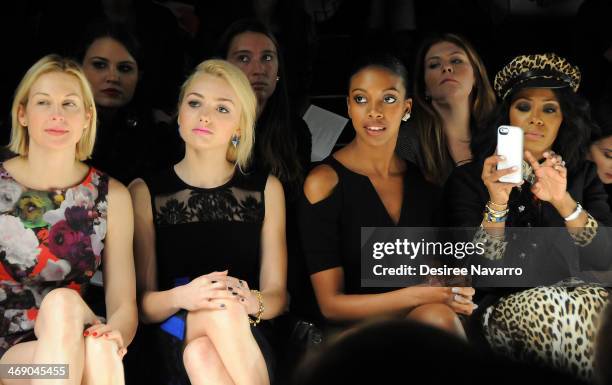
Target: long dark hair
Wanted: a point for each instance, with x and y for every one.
(275, 139)
(604, 120)
(436, 158)
(573, 138)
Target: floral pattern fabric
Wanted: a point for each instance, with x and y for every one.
(48, 239)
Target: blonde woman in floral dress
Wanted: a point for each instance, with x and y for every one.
(59, 218)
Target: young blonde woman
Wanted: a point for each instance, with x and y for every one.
(210, 239)
(59, 220)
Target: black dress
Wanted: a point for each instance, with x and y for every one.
(201, 230)
(331, 228)
(126, 144)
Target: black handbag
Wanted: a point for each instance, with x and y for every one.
(306, 335)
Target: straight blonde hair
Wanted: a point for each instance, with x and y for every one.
(20, 139)
(238, 81)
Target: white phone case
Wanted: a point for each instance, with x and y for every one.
(510, 145)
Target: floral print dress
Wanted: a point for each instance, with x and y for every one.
(48, 239)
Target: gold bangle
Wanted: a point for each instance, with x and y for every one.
(504, 206)
(257, 317)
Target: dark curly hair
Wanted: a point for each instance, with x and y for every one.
(573, 138)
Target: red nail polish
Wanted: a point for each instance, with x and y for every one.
(94, 334)
(85, 333)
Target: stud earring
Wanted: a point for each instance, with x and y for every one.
(235, 140)
(406, 116)
(277, 78)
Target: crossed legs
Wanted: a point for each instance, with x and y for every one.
(59, 332)
(220, 348)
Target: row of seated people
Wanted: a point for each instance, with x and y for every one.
(213, 232)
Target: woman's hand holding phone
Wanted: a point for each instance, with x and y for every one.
(499, 192)
(502, 172)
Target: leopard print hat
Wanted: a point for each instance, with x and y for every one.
(536, 71)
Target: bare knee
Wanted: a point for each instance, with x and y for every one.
(101, 350)
(61, 312)
(103, 364)
(229, 322)
(198, 353)
(438, 315)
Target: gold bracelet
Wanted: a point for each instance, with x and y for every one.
(495, 212)
(257, 316)
(491, 203)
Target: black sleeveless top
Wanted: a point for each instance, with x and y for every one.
(331, 228)
(201, 230)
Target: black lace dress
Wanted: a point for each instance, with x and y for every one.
(200, 230)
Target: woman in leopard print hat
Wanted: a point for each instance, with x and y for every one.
(549, 314)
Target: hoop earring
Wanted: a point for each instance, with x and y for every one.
(406, 116)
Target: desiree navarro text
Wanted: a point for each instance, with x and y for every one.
(405, 270)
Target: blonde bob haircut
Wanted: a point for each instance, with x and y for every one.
(52, 63)
(238, 81)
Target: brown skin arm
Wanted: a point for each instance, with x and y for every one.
(329, 284)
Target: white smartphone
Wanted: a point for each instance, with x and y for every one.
(510, 145)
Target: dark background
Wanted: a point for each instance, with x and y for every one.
(320, 38)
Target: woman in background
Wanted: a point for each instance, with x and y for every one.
(452, 98)
(600, 152)
(128, 144)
